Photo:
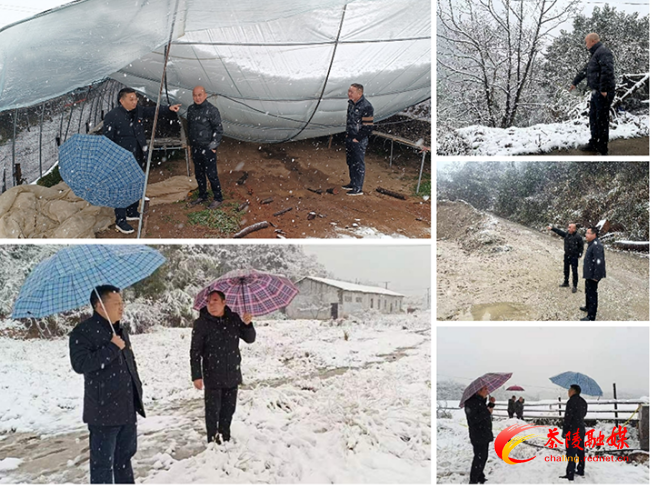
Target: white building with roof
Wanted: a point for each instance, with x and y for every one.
(323, 298)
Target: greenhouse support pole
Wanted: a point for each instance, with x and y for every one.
(158, 106)
(13, 149)
(423, 160)
(40, 140)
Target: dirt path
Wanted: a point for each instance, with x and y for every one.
(283, 173)
(511, 272)
(172, 432)
(638, 146)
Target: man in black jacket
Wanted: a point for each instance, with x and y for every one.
(478, 416)
(573, 249)
(359, 124)
(574, 432)
(594, 270)
(215, 362)
(510, 406)
(205, 134)
(124, 126)
(100, 349)
(600, 78)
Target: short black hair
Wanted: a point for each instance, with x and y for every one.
(358, 86)
(577, 388)
(125, 91)
(220, 293)
(594, 230)
(101, 292)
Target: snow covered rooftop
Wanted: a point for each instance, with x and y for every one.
(345, 285)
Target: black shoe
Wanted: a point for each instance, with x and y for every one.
(347, 187)
(584, 309)
(579, 473)
(215, 204)
(197, 202)
(587, 148)
(135, 216)
(124, 227)
(587, 319)
(566, 477)
(353, 192)
(604, 152)
(564, 285)
(574, 290)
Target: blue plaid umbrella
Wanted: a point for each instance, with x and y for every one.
(101, 172)
(588, 385)
(65, 281)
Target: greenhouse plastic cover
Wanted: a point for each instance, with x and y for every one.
(276, 69)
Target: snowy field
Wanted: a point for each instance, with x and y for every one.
(321, 403)
(542, 138)
(455, 453)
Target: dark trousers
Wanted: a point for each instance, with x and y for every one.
(591, 292)
(355, 160)
(480, 455)
(599, 119)
(572, 452)
(220, 407)
(511, 414)
(122, 213)
(206, 167)
(111, 451)
(570, 262)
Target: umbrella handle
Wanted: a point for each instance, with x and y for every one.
(104, 308)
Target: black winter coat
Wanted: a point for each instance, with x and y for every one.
(215, 350)
(479, 419)
(126, 128)
(594, 266)
(113, 392)
(359, 119)
(518, 408)
(599, 72)
(510, 405)
(204, 125)
(573, 243)
(574, 417)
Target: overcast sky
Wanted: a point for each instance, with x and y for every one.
(607, 354)
(407, 268)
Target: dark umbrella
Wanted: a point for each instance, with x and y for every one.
(515, 388)
(493, 381)
(101, 172)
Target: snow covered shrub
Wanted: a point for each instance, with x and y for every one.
(177, 309)
(141, 317)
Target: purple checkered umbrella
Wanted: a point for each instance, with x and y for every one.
(493, 381)
(251, 291)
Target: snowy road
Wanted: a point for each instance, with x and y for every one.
(315, 408)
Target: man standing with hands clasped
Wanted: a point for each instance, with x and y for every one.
(594, 270)
(359, 124)
(205, 134)
(215, 362)
(600, 77)
(100, 349)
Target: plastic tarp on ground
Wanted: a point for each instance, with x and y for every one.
(276, 69)
(32, 211)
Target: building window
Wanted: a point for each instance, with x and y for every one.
(372, 303)
(391, 307)
(385, 304)
(348, 299)
(358, 299)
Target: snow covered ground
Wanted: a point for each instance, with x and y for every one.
(541, 138)
(317, 406)
(455, 453)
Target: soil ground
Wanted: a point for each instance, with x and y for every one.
(489, 268)
(639, 146)
(284, 172)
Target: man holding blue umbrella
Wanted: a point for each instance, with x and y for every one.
(574, 432)
(124, 126)
(100, 349)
